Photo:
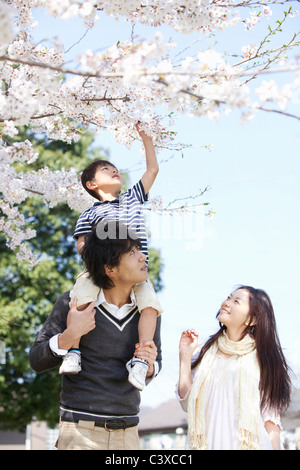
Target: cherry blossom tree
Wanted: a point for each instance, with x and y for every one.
(107, 90)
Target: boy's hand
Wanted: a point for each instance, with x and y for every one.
(143, 134)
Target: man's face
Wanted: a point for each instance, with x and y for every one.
(132, 268)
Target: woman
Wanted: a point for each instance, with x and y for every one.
(237, 385)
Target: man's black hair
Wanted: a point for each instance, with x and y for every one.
(104, 246)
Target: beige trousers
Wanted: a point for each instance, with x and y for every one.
(86, 436)
(85, 291)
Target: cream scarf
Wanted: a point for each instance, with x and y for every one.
(246, 392)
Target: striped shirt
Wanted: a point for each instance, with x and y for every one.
(127, 208)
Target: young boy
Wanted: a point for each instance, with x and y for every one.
(102, 180)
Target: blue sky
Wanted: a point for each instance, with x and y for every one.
(253, 175)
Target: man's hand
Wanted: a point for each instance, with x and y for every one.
(79, 323)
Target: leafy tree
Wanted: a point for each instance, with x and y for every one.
(27, 296)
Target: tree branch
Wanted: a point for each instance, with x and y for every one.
(261, 108)
(142, 73)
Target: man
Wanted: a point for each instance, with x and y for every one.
(99, 407)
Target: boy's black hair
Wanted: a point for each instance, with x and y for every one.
(89, 172)
(104, 246)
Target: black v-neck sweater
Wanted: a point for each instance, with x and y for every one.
(102, 387)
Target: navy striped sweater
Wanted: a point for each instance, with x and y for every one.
(128, 209)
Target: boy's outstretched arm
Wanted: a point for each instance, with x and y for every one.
(151, 172)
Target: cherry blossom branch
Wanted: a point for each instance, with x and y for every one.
(273, 31)
(145, 72)
(283, 49)
(123, 98)
(251, 3)
(111, 89)
(277, 111)
(157, 204)
(187, 198)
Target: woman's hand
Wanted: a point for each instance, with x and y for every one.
(188, 344)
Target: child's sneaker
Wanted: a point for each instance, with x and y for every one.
(137, 369)
(71, 363)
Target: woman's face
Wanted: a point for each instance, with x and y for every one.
(235, 310)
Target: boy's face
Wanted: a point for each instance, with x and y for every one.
(131, 270)
(106, 179)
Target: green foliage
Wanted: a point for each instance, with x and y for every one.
(155, 269)
(27, 296)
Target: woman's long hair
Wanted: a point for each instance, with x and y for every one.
(275, 382)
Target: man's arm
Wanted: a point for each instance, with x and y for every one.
(41, 356)
(151, 161)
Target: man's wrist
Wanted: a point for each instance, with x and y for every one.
(54, 346)
(66, 339)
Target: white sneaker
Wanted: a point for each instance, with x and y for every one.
(71, 363)
(137, 369)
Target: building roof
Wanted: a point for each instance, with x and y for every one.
(167, 416)
(291, 419)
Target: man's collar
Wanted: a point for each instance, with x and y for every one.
(101, 299)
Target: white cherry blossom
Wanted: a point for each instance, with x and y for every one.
(107, 90)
